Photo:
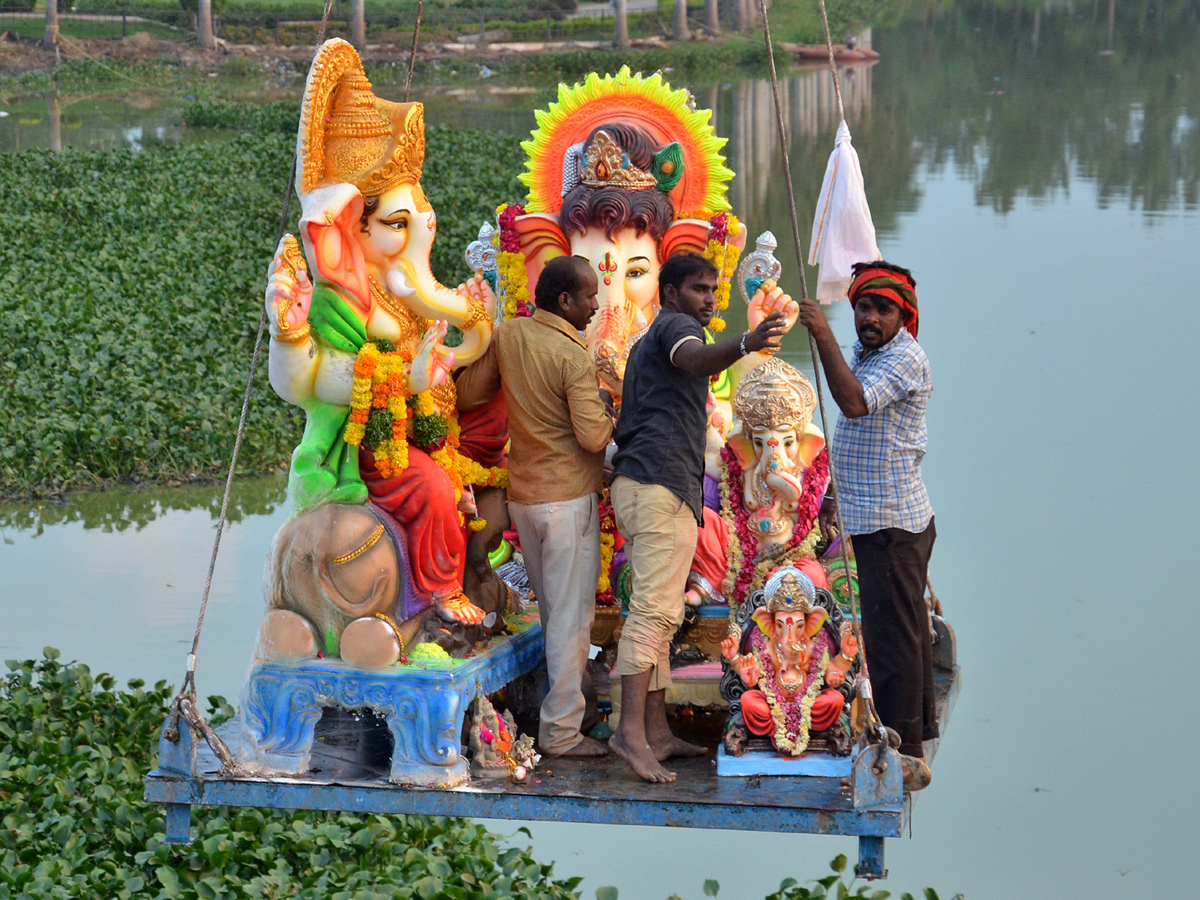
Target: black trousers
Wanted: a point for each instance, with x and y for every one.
(892, 566)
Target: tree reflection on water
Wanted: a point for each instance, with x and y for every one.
(1016, 98)
(136, 507)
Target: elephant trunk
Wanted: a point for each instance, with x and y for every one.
(608, 340)
(433, 300)
(774, 471)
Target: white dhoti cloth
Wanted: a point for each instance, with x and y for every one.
(561, 545)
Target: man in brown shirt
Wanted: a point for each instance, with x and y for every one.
(559, 428)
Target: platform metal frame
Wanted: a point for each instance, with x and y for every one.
(593, 791)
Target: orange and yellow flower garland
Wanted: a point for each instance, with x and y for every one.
(724, 256)
(381, 383)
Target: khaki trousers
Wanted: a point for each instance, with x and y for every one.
(660, 541)
(561, 545)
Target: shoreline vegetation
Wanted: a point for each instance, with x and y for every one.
(541, 39)
(74, 823)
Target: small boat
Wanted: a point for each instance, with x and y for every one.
(820, 52)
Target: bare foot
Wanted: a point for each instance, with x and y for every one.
(642, 762)
(673, 746)
(457, 608)
(586, 748)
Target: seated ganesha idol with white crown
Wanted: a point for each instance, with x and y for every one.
(770, 478)
(382, 482)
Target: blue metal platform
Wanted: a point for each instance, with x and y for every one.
(594, 791)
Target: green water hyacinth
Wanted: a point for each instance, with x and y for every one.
(134, 284)
(73, 751)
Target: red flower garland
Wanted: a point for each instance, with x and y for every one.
(816, 478)
(718, 228)
(509, 241)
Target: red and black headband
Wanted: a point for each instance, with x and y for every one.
(892, 285)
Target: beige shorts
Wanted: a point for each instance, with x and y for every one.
(660, 540)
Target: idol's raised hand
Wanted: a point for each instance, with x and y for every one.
(289, 294)
(479, 289)
(430, 368)
(768, 299)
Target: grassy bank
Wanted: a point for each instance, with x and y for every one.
(133, 288)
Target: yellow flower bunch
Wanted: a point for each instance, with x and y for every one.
(608, 543)
(514, 282)
(423, 404)
(381, 382)
(471, 472)
(724, 255)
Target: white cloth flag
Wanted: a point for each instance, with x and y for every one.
(843, 232)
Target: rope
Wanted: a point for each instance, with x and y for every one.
(412, 57)
(868, 703)
(837, 87)
(185, 700)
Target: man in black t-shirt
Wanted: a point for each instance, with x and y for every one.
(657, 493)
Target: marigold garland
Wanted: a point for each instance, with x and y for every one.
(724, 256)
(608, 542)
(512, 278)
(745, 574)
(378, 413)
(380, 421)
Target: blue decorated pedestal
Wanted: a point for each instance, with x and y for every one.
(424, 707)
(757, 762)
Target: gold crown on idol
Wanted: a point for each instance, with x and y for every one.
(348, 135)
(606, 165)
(774, 395)
(789, 590)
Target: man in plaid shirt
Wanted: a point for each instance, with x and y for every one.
(876, 455)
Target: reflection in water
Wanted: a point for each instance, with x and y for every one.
(54, 115)
(123, 508)
(115, 578)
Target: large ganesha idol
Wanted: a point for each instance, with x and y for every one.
(382, 482)
(623, 171)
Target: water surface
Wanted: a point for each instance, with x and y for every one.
(1046, 198)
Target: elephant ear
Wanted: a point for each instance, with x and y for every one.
(812, 442)
(541, 240)
(683, 235)
(814, 620)
(330, 224)
(765, 622)
(742, 447)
